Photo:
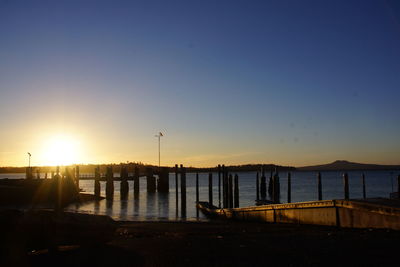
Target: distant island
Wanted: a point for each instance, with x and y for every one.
(344, 165)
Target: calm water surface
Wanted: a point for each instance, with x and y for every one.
(159, 206)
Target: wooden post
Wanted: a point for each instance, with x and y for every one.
(77, 175)
(183, 191)
(163, 180)
(109, 183)
(289, 187)
(97, 182)
(197, 188)
(398, 186)
(197, 194)
(176, 189)
(219, 185)
(319, 186)
(363, 186)
(263, 185)
(346, 185)
(277, 188)
(271, 186)
(136, 187)
(257, 186)
(230, 190)
(124, 186)
(210, 189)
(27, 173)
(151, 181)
(224, 187)
(236, 191)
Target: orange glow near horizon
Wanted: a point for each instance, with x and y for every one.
(60, 150)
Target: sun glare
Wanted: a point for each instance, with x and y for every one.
(61, 150)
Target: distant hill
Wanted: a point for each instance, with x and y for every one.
(344, 165)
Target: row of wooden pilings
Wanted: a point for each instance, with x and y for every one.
(70, 173)
(153, 185)
(274, 187)
(228, 188)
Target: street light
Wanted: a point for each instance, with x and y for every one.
(29, 172)
(159, 135)
(29, 154)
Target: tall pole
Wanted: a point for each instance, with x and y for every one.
(29, 154)
(159, 135)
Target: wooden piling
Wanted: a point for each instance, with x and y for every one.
(219, 185)
(319, 186)
(230, 190)
(398, 186)
(124, 186)
(151, 181)
(363, 186)
(197, 188)
(109, 183)
(224, 187)
(346, 185)
(276, 188)
(236, 191)
(289, 187)
(77, 175)
(28, 173)
(197, 194)
(183, 192)
(97, 182)
(176, 189)
(263, 185)
(271, 186)
(257, 186)
(163, 180)
(136, 187)
(210, 188)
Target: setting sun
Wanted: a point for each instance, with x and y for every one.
(61, 150)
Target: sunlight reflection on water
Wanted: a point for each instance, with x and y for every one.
(162, 206)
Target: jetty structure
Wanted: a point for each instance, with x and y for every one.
(346, 212)
(349, 213)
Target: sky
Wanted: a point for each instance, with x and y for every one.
(227, 82)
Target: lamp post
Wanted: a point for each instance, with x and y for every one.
(29, 154)
(159, 135)
(29, 172)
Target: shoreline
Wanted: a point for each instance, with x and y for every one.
(219, 243)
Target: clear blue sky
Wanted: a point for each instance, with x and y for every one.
(286, 82)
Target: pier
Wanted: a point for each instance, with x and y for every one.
(355, 213)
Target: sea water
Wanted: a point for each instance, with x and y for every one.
(162, 206)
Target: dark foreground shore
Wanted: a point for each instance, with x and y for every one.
(224, 243)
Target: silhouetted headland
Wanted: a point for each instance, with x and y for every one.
(344, 165)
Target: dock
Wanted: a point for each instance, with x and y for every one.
(355, 213)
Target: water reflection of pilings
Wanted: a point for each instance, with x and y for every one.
(124, 209)
(109, 206)
(150, 204)
(163, 205)
(136, 206)
(96, 206)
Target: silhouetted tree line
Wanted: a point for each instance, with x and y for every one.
(89, 168)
